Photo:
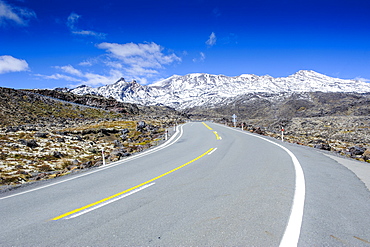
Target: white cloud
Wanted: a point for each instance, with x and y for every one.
(132, 61)
(91, 79)
(212, 39)
(140, 71)
(113, 64)
(13, 14)
(72, 21)
(85, 63)
(90, 33)
(70, 70)
(11, 64)
(58, 76)
(201, 58)
(140, 59)
(89, 62)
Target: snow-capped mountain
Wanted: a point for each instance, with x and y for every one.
(200, 89)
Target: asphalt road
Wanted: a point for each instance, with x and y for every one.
(201, 188)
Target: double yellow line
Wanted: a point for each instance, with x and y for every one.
(128, 190)
(214, 132)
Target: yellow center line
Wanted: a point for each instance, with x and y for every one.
(214, 132)
(128, 190)
(207, 126)
(217, 136)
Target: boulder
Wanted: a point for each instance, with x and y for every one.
(117, 144)
(41, 135)
(57, 154)
(140, 126)
(89, 131)
(366, 155)
(356, 150)
(84, 165)
(12, 129)
(29, 143)
(120, 153)
(109, 131)
(323, 146)
(60, 139)
(125, 131)
(258, 131)
(78, 138)
(123, 137)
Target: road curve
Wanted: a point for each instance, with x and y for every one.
(209, 185)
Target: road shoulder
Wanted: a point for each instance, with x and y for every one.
(362, 170)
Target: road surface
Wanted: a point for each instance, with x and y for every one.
(209, 185)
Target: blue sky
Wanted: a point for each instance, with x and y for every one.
(48, 44)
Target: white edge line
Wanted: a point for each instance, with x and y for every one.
(212, 151)
(293, 229)
(101, 168)
(109, 201)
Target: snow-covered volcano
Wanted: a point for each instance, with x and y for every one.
(200, 89)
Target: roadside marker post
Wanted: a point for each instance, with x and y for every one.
(102, 153)
(234, 120)
(282, 134)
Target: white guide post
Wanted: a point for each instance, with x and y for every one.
(234, 120)
(102, 153)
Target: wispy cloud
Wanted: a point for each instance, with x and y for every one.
(70, 70)
(133, 61)
(98, 80)
(212, 39)
(16, 15)
(201, 58)
(78, 77)
(12, 64)
(58, 76)
(72, 21)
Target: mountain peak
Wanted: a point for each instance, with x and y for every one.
(200, 89)
(121, 80)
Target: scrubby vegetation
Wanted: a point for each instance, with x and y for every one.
(41, 137)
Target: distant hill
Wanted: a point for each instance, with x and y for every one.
(25, 107)
(285, 106)
(21, 108)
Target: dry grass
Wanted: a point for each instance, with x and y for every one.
(43, 162)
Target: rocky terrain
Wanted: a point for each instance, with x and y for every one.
(345, 135)
(279, 107)
(110, 104)
(315, 109)
(50, 133)
(39, 153)
(41, 137)
(338, 122)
